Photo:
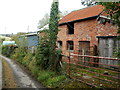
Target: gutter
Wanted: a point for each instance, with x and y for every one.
(106, 36)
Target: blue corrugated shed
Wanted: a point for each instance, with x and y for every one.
(29, 40)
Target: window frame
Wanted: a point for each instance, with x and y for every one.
(71, 47)
(70, 27)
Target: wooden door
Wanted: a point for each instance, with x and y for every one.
(84, 47)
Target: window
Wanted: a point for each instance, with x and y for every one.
(60, 44)
(103, 21)
(70, 28)
(70, 45)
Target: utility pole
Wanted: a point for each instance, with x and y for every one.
(28, 29)
(5, 30)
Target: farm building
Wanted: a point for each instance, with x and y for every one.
(29, 40)
(43, 30)
(79, 30)
(107, 46)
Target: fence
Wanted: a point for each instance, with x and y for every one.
(92, 71)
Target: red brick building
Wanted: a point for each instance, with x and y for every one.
(78, 29)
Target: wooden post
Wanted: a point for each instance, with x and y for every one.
(83, 58)
(69, 65)
(69, 62)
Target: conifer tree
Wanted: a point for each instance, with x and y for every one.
(47, 56)
(53, 31)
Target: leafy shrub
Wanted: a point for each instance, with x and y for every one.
(26, 60)
(20, 53)
(35, 69)
(58, 54)
(117, 52)
(42, 54)
(8, 50)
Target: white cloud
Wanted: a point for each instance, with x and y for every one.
(16, 15)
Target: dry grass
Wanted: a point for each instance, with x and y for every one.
(8, 78)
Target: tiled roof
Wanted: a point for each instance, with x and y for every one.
(83, 13)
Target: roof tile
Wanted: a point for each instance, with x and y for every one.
(83, 13)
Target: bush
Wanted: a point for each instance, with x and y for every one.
(8, 50)
(42, 54)
(20, 53)
(33, 67)
(117, 52)
(44, 57)
(26, 60)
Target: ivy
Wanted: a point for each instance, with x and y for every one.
(47, 57)
(42, 54)
(53, 26)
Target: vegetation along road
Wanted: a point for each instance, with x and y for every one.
(15, 77)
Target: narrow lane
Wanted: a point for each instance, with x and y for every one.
(23, 80)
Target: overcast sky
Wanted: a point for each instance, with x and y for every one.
(17, 15)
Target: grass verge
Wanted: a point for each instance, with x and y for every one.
(8, 78)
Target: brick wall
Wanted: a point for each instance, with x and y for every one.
(86, 30)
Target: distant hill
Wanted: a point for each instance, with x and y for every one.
(7, 35)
